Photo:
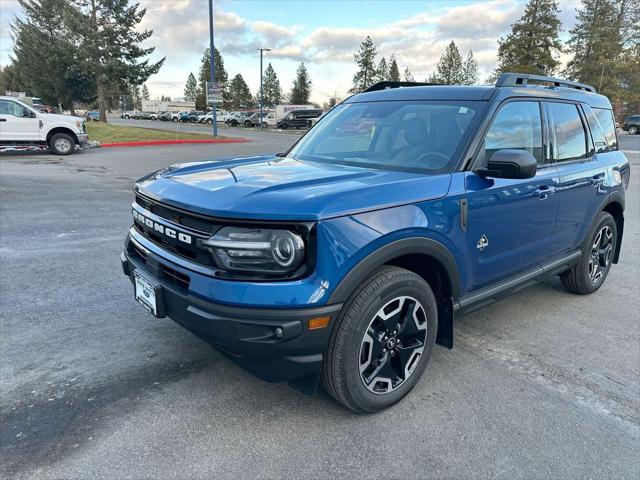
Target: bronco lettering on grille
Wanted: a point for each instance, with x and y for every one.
(162, 229)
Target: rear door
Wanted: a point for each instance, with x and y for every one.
(582, 174)
(18, 123)
(510, 222)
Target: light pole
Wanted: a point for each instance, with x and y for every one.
(213, 67)
(261, 50)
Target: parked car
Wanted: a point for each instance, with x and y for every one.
(254, 120)
(165, 116)
(128, 115)
(154, 115)
(92, 116)
(299, 119)
(345, 258)
(24, 126)
(631, 124)
(238, 118)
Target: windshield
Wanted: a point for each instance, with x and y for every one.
(424, 136)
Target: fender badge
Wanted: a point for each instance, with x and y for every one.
(482, 243)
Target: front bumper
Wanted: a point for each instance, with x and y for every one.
(83, 139)
(274, 344)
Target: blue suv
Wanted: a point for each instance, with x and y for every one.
(347, 258)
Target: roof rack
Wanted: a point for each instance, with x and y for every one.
(389, 84)
(522, 79)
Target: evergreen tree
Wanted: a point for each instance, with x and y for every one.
(136, 98)
(301, 89)
(365, 59)
(533, 44)
(382, 71)
(144, 93)
(110, 45)
(204, 76)
(470, 70)
(408, 76)
(44, 62)
(605, 43)
(239, 93)
(449, 70)
(191, 88)
(271, 91)
(394, 71)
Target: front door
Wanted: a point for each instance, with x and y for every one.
(510, 222)
(18, 123)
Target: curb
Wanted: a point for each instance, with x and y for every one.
(148, 143)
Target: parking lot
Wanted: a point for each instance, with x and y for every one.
(542, 385)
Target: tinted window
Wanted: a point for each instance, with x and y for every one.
(420, 136)
(518, 125)
(605, 118)
(597, 132)
(570, 139)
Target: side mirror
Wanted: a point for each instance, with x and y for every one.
(510, 163)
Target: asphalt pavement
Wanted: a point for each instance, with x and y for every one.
(541, 385)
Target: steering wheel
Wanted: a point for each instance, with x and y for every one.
(422, 159)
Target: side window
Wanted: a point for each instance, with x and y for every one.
(597, 132)
(570, 138)
(518, 125)
(7, 107)
(605, 118)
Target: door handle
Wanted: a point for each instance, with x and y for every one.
(597, 179)
(3, 119)
(544, 191)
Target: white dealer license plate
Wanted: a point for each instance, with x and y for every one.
(146, 294)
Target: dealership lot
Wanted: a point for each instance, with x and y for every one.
(544, 384)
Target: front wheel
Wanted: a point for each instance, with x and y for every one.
(381, 343)
(598, 251)
(248, 124)
(62, 144)
(209, 121)
(633, 130)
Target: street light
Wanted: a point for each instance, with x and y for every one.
(213, 68)
(261, 50)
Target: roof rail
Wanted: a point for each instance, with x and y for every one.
(389, 84)
(522, 79)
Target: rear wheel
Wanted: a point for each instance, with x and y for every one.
(62, 144)
(248, 124)
(382, 341)
(592, 269)
(209, 121)
(633, 130)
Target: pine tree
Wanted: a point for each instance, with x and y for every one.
(449, 70)
(605, 43)
(408, 76)
(136, 98)
(533, 44)
(382, 72)
(470, 70)
(272, 93)
(365, 59)
(204, 76)
(239, 93)
(191, 88)
(301, 89)
(44, 50)
(394, 71)
(144, 93)
(111, 45)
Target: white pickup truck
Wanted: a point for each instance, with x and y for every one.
(24, 126)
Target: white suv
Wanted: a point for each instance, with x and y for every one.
(24, 125)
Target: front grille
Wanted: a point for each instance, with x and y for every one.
(159, 269)
(179, 217)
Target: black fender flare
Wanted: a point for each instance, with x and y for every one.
(395, 249)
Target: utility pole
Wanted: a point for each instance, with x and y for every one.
(213, 67)
(261, 97)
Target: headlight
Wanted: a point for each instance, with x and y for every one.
(257, 250)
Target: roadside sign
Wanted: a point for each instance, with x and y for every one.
(214, 93)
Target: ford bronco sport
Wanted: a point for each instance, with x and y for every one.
(347, 257)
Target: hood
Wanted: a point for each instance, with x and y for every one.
(275, 188)
(57, 118)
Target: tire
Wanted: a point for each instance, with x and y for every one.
(175, 119)
(209, 121)
(598, 250)
(233, 123)
(633, 130)
(349, 357)
(62, 144)
(127, 117)
(248, 124)
(284, 126)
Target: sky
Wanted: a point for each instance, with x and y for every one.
(322, 33)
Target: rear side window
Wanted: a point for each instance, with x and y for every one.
(605, 118)
(518, 125)
(570, 138)
(597, 132)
